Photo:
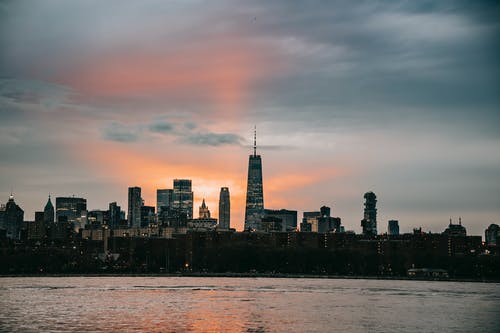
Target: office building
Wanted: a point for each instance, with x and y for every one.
(288, 218)
(369, 221)
(183, 197)
(134, 207)
(455, 229)
(147, 215)
(114, 216)
(254, 209)
(328, 223)
(310, 221)
(11, 219)
(224, 209)
(492, 235)
(70, 209)
(393, 227)
(37, 228)
(164, 199)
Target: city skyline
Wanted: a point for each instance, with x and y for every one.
(396, 98)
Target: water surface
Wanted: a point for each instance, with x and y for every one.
(186, 304)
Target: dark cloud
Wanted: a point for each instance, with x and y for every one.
(120, 133)
(161, 127)
(212, 139)
(46, 95)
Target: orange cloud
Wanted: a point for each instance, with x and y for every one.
(220, 71)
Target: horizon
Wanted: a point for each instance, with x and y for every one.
(401, 99)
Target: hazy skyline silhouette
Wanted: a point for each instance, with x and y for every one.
(397, 98)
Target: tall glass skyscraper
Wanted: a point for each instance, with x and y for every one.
(183, 197)
(224, 209)
(255, 194)
(369, 221)
(134, 207)
(164, 199)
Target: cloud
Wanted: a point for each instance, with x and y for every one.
(161, 127)
(212, 139)
(118, 132)
(47, 96)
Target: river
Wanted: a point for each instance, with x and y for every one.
(202, 304)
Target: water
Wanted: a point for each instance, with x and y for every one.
(185, 304)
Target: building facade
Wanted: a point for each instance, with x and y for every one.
(492, 235)
(288, 218)
(11, 219)
(114, 215)
(164, 199)
(183, 197)
(393, 227)
(369, 221)
(134, 207)
(70, 209)
(254, 209)
(224, 209)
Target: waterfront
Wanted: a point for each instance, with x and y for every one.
(191, 304)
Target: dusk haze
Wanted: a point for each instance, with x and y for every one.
(206, 140)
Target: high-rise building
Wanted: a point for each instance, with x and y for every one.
(36, 229)
(11, 218)
(147, 215)
(393, 227)
(183, 197)
(492, 235)
(455, 229)
(369, 221)
(288, 218)
(114, 215)
(70, 209)
(254, 210)
(310, 221)
(48, 212)
(164, 199)
(321, 222)
(224, 209)
(134, 207)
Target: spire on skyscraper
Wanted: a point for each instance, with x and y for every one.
(255, 140)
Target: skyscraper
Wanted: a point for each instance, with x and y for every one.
(164, 199)
(393, 227)
(48, 212)
(183, 197)
(224, 209)
(254, 209)
(70, 209)
(114, 215)
(11, 218)
(369, 221)
(134, 207)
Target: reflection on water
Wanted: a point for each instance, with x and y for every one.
(184, 304)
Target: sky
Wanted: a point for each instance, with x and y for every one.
(401, 98)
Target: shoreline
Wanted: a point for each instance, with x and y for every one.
(251, 275)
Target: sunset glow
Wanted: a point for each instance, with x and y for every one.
(96, 97)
